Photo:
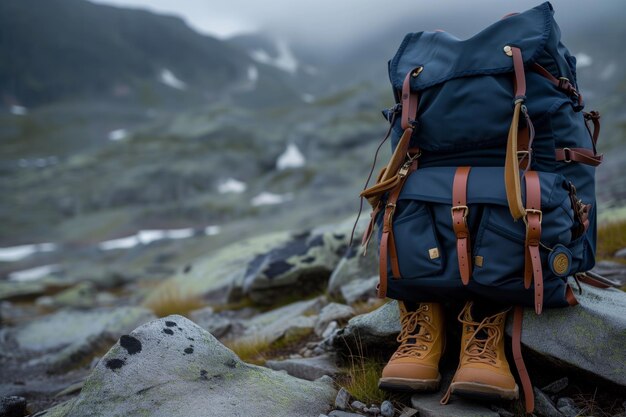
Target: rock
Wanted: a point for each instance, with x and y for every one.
(294, 318)
(215, 323)
(353, 266)
(556, 386)
(185, 373)
(306, 368)
(544, 406)
(64, 339)
(373, 410)
(428, 406)
(359, 290)
(615, 271)
(358, 405)
(387, 409)
(219, 277)
(332, 312)
(343, 399)
(377, 328)
(330, 329)
(590, 336)
(408, 412)
(83, 295)
(13, 406)
(502, 412)
(303, 264)
(339, 413)
(620, 253)
(567, 407)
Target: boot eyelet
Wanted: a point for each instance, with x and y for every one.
(427, 319)
(419, 355)
(427, 337)
(426, 308)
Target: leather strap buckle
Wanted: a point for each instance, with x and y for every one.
(533, 212)
(567, 155)
(464, 208)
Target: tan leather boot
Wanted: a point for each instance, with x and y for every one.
(415, 364)
(483, 370)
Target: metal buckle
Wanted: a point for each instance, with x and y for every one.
(566, 155)
(464, 208)
(533, 211)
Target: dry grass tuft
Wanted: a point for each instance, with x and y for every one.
(258, 350)
(169, 299)
(611, 238)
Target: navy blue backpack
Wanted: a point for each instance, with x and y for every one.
(490, 189)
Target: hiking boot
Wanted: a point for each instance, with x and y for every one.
(414, 366)
(483, 370)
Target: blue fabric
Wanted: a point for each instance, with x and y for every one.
(465, 109)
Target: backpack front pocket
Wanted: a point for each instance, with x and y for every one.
(417, 246)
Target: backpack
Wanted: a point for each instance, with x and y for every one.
(490, 190)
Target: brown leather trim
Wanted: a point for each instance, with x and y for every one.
(511, 168)
(520, 76)
(561, 83)
(570, 296)
(527, 387)
(532, 269)
(580, 155)
(410, 100)
(594, 116)
(459, 222)
(387, 242)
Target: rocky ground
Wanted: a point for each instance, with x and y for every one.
(283, 324)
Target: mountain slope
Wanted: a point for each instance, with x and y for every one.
(58, 49)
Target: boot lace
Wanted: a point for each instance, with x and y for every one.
(409, 339)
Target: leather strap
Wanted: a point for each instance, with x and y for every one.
(511, 165)
(580, 155)
(459, 222)
(387, 242)
(561, 83)
(527, 387)
(532, 266)
(594, 116)
(570, 296)
(410, 100)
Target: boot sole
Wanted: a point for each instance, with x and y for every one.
(479, 391)
(408, 384)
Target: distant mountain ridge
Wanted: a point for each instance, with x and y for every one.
(66, 49)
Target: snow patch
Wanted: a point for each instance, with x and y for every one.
(16, 253)
(253, 74)
(122, 243)
(19, 110)
(212, 230)
(308, 98)
(285, 60)
(38, 162)
(231, 185)
(33, 274)
(118, 134)
(291, 158)
(583, 60)
(266, 199)
(168, 78)
(145, 237)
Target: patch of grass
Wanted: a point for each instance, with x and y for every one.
(170, 299)
(611, 238)
(257, 350)
(362, 380)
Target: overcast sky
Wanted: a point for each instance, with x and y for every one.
(343, 19)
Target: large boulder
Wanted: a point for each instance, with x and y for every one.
(590, 336)
(266, 269)
(171, 367)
